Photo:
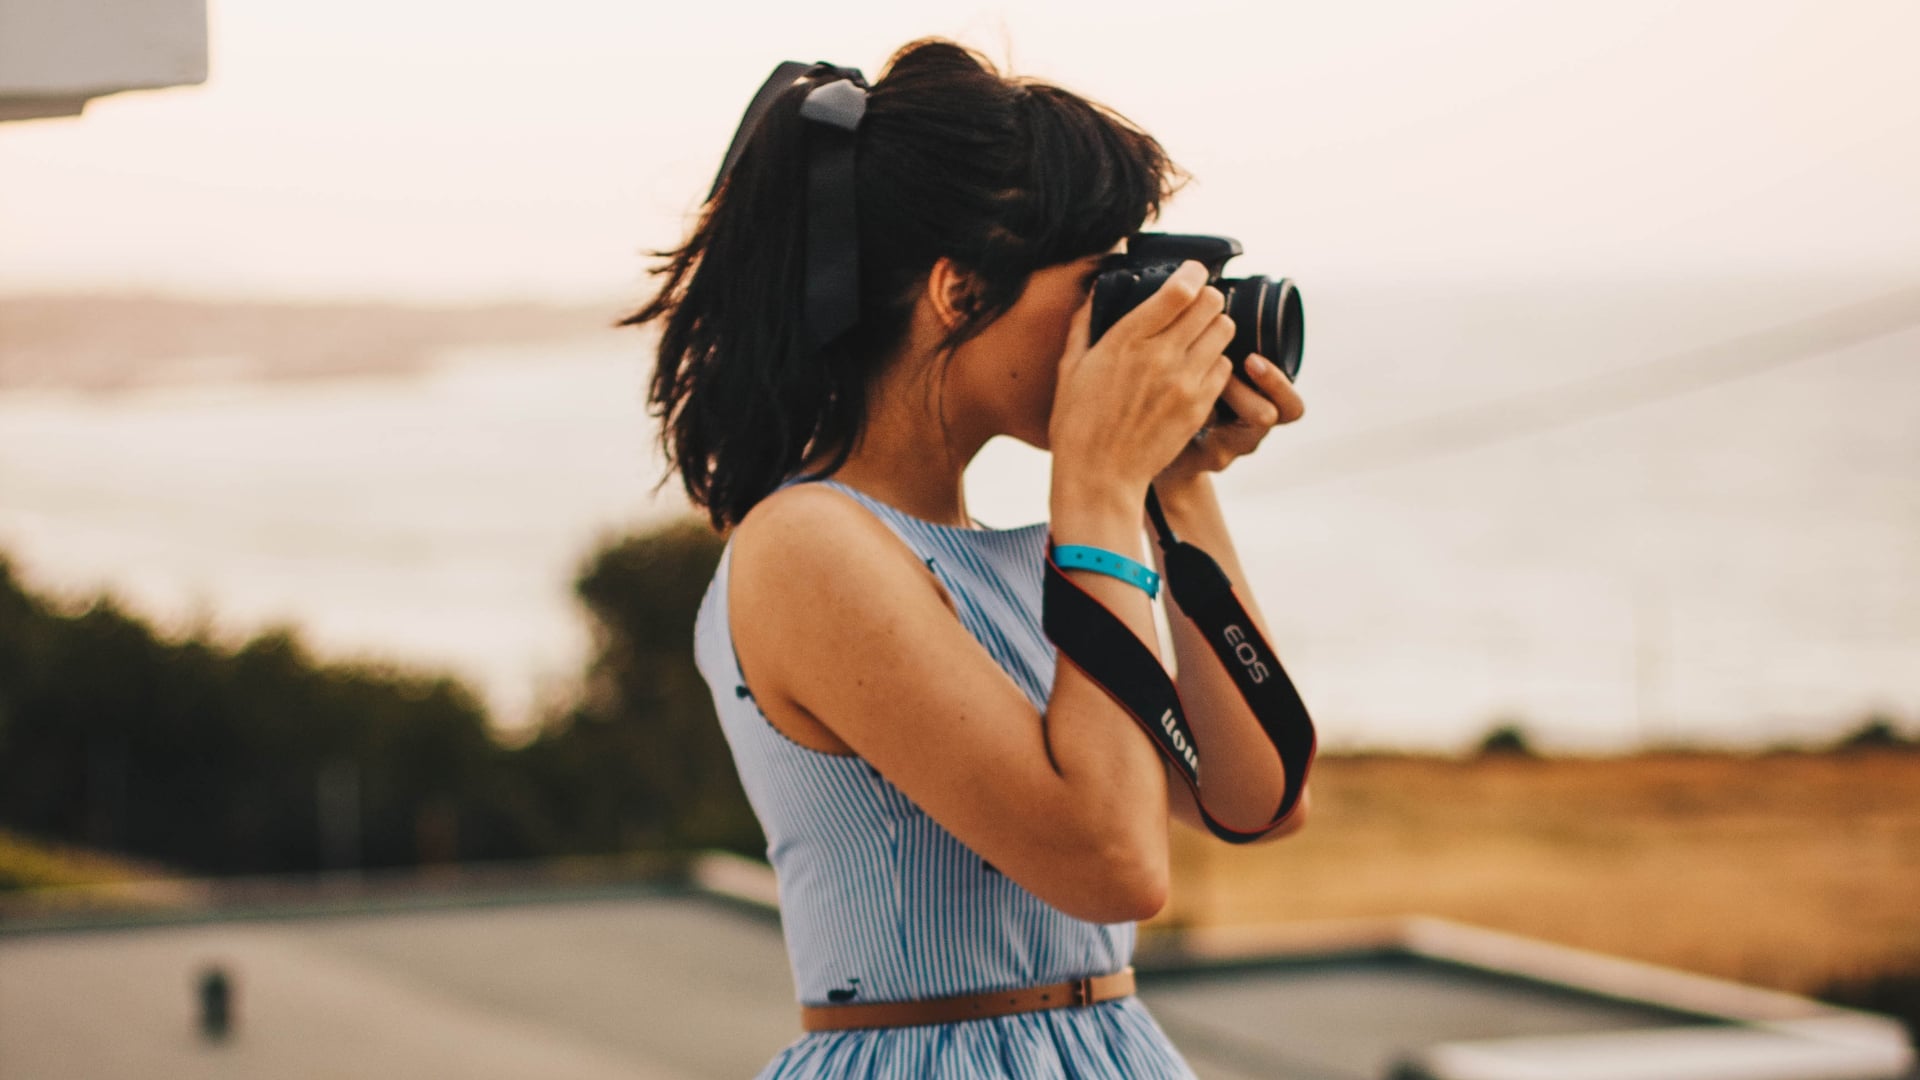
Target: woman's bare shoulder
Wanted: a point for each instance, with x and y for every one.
(812, 565)
(813, 529)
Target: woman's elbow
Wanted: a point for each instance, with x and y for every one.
(1106, 863)
(1141, 892)
(1295, 821)
(1124, 883)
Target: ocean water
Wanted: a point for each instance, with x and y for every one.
(1572, 505)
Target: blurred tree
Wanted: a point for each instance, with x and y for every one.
(212, 758)
(640, 761)
(1877, 731)
(1507, 738)
(261, 758)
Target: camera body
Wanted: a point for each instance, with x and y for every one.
(1266, 312)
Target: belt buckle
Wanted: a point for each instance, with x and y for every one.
(1081, 990)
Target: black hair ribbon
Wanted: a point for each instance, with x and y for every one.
(1103, 647)
(833, 108)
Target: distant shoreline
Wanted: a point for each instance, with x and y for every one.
(113, 342)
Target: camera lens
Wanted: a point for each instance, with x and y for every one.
(1267, 319)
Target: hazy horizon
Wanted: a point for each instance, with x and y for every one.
(1730, 563)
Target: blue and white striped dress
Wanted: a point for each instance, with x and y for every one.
(880, 903)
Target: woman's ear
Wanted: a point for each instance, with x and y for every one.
(952, 291)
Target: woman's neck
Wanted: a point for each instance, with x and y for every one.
(907, 456)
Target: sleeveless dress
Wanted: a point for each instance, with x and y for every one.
(880, 903)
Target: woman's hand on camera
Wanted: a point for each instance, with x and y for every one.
(1258, 408)
(1124, 407)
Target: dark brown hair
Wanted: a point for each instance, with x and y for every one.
(1003, 175)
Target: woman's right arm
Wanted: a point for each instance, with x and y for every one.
(836, 620)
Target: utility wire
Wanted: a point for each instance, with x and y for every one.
(1532, 413)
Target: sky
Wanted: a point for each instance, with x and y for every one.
(428, 150)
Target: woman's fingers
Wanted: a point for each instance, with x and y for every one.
(1162, 309)
(1212, 341)
(1081, 327)
(1201, 315)
(1262, 401)
(1219, 376)
(1274, 384)
(1078, 331)
(1250, 405)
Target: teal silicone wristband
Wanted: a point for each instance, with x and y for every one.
(1112, 564)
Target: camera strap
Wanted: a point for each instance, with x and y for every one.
(1109, 653)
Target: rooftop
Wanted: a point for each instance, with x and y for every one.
(656, 979)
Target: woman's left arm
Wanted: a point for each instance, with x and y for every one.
(1243, 778)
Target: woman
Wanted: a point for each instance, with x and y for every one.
(958, 823)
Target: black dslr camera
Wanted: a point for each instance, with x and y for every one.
(1265, 311)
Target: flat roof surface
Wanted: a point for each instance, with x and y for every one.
(656, 984)
(642, 987)
(1357, 1017)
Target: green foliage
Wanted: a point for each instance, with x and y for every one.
(219, 758)
(208, 756)
(641, 761)
(1507, 739)
(1877, 731)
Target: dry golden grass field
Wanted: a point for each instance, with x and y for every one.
(1783, 870)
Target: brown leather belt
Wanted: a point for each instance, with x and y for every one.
(878, 1014)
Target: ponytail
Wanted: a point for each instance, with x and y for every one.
(1003, 176)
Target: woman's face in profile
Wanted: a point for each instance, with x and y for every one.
(1014, 362)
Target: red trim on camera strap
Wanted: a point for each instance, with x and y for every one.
(1108, 652)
